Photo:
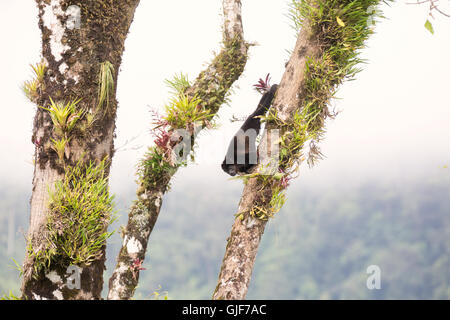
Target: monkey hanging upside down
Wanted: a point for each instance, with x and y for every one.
(242, 154)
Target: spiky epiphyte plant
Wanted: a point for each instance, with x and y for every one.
(105, 85)
(31, 88)
(60, 147)
(80, 211)
(155, 169)
(39, 71)
(161, 132)
(64, 116)
(263, 85)
(179, 84)
(183, 111)
(10, 296)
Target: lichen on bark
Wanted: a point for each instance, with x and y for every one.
(73, 58)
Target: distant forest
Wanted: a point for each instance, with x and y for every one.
(317, 247)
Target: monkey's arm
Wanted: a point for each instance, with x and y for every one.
(265, 102)
(243, 144)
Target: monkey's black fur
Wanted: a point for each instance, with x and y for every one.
(242, 154)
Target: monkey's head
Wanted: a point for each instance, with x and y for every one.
(229, 168)
(237, 169)
(273, 88)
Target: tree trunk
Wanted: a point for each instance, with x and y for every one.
(242, 245)
(78, 39)
(211, 87)
(325, 54)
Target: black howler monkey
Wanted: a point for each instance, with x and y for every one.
(242, 154)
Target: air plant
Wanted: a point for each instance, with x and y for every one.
(31, 87)
(179, 84)
(106, 84)
(263, 85)
(161, 132)
(183, 111)
(136, 267)
(64, 117)
(39, 71)
(60, 147)
(285, 179)
(80, 210)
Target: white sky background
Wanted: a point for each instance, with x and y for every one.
(395, 117)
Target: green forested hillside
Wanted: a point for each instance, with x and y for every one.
(318, 246)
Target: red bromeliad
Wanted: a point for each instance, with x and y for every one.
(136, 267)
(160, 132)
(263, 85)
(285, 180)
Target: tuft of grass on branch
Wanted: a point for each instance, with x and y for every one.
(10, 296)
(80, 211)
(59, 146)
(179, 84)
(154, 169)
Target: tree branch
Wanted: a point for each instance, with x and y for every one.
(211, 88)
(325, 54)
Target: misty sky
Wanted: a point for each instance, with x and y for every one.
(394, 121)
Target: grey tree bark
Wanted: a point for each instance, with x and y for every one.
(77, 37)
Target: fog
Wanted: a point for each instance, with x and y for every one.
(380, 195)
(393, 122)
